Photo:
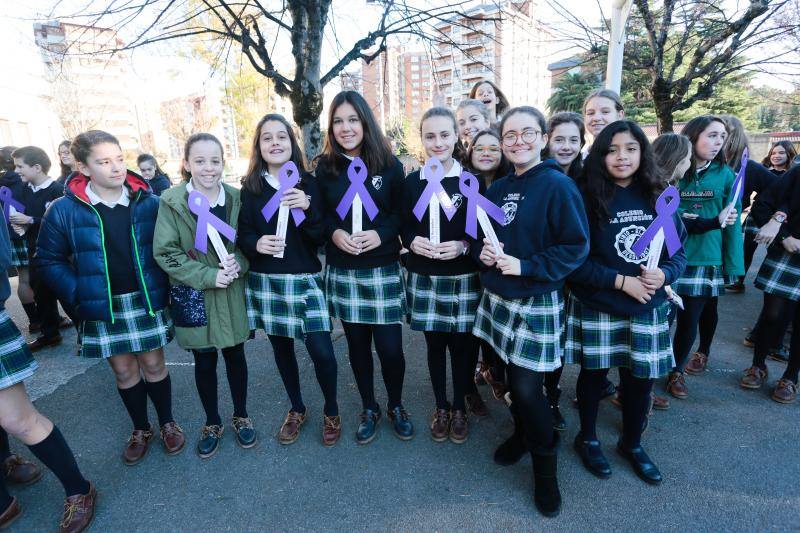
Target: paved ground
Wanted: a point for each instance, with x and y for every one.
(729, 456)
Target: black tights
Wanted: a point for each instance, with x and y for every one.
(551, 388)
(635, 403)
(697, 311)
(772, 324)
(389, 345)
(205, 376)
(460, 361)
(320, 349)
(530, 408)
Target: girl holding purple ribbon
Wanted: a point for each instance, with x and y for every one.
(207, 285)
(443, 284)
(521, 313)
(284, 288)
(714, 248)
(361, 183)
(617, 312)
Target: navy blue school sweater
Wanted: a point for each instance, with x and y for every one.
(385, 186)
(450, 230)
(546, 229)
(36, 203)
(630, 213)
(302, 243)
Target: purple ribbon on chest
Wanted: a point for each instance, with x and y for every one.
(199, 205)
(7, 198)
(434, 174)
(666, 206)
(468, 185)
(288, 177)
(357, 174)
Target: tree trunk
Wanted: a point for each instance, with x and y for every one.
(306, 110)
(662, 100)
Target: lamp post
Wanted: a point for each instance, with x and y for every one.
(620, 9)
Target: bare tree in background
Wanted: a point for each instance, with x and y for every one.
(255, 26)
(688, 46)
(184, 116)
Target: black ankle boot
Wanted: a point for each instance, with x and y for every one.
(512, 450)
(546, 495)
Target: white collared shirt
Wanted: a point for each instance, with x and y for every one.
(124, 198)
(220, 201)
(454, 171)
(272, 180)
(46, 184)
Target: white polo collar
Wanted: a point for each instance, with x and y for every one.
(124, 197)
(46, 184)
(454, 172)
(220, 201)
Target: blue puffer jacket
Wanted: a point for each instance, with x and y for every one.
(71, 226)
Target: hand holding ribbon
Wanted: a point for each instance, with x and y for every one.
(7, 198)
(206, 220)
(662, 229)
(357, 174)
(288, 177)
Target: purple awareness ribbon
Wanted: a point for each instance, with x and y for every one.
(666, 206)
(199, 205)
(468, 185)
(740, 177)
(434, 174)
(288, 177)
(7, 197)
(357, 174)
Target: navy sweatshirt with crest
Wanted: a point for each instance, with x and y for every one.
(546, 229)
(630, 213)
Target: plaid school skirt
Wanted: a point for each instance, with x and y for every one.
(598, 340)
(527, 332)
(19, 253)
(366, 295)
(16, 362)
(443, 303)
(705, 281)
(780, 274)
(286, 305)
(132, 331)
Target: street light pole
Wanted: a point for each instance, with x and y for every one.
(620, 9)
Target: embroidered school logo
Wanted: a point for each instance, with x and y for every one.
(510, 210)
(377, 182)
(457, 199)
(624, 241)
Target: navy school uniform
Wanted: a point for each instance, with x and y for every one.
(367, 288)
(284, 295)
(522, 317)
(442, 295)
(606, 328)
(19, 248)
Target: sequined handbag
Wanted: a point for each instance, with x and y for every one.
(187, 307)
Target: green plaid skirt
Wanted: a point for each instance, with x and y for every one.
(443, 303)
(132, 331)
(286, 305)
(701, 281)
(527, 332)
(16, 362)
(780, 274)
(366, 295)
(598, 340)
(19, 253)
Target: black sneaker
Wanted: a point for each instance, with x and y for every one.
(246, 436)
(559, 424)
(209, 441)
(403, 428)
(369, 424)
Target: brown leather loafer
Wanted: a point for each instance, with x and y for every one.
(43, 342)
(440, 425)
(20, 471)
(696, 364)
(676, 386)
(660, 403)
(785, 391)
(13, 512)
(290, 429)
(754, 378)
(476, 405)
(173, 438)
(498, 387)
(78, 511)
(137, 446)
(478, 378)
(331, 429)
(458, 427)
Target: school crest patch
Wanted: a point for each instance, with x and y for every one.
(377, 182)
(510, 210)
(457, 199)
(624, 241)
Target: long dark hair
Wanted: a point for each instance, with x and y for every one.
(692, 130)
(597, 185)
(791, 153)
(502, 101)
(567, 117)
(253, 181)
(66, 170)
(669, 150)
(458, 148)
(149, 157)
(504, 167)
(195, 138)
(376, 152)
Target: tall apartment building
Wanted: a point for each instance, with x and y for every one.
(511, 51)
(417, 84)
(380, 85)
(206, 112)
